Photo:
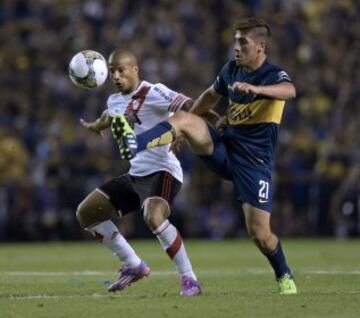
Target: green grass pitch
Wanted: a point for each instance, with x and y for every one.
(70, 280)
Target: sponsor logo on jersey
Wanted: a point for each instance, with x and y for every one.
(162, 94)
(239, 113)
(255, 112)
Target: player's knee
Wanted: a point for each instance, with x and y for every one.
(156, 211)
(88, 214)
(260, 236)
(94, 209)
(181, 115)
(183, 118)
(81, 212)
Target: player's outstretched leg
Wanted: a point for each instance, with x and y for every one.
(130, 144)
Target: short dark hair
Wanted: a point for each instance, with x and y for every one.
(123, 53)
(258, 26)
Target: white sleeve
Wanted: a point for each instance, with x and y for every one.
(168, 99)
(113, 107)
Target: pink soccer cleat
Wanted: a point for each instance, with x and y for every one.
(189, 287)
(129, 276)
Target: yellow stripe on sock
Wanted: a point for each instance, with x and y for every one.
(164, 139)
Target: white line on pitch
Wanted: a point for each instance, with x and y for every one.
(31, 297)
(170, 273)
(96, 295)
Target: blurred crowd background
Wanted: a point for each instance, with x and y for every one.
(48, 162)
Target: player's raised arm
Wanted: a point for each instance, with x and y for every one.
(209, 115)
(101, 123)
(282, 91)
(207, 100)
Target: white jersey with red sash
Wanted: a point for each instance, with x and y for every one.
(145, 107)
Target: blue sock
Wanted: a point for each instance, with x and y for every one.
(161, 134)
(278, 261)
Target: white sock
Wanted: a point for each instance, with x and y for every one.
(109, 234)
(172, 243)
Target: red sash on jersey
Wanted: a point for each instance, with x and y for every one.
(135, 105)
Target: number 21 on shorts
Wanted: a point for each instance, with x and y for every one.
(263, 191)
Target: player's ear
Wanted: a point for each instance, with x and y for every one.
(261, 46)
(136, 69)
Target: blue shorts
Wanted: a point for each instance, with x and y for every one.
(252, 185)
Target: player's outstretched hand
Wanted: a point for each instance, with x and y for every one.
(92, 126)
(246, 88)
(97, 126)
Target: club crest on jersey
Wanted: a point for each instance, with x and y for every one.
(136, 104)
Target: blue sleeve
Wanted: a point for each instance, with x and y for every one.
(277, 76)
(220, 85)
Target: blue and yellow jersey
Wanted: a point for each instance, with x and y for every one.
(253, 120)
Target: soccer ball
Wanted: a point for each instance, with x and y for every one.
(88, 69)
